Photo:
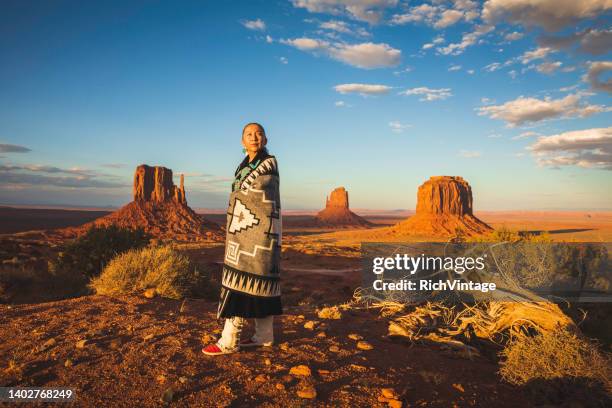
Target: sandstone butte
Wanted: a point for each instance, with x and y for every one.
(444, 207)
(160, 208)
(337, 212)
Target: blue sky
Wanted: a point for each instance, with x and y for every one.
(374, 95)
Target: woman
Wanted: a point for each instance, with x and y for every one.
(250, 280)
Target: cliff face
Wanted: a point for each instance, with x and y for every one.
(156, 184)
(337, 212)
(444, 207)
(160, 208)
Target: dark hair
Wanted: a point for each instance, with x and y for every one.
(256, 124)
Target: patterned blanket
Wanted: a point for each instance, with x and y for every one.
(252, 248)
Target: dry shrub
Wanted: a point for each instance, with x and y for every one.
(555, 355)
(161, 268)
(332, 312)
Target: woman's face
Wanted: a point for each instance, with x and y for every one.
(253, 139)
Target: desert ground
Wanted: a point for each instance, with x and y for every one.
(134, 351)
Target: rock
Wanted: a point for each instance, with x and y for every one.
(323, 372)
(321, 334)
(307, 391)
(310, 325)
(337, 213)
(286, 378)
(183, 380)
(48, 344)
(444, 206)
(459, 387)
(148, 336)
(395, 404)
(359, 368)
(280, 387)
(168, 396)
(68, 363)
(300, 370)
(364, 345)
(389, 393)
(267, 362)
(334, 349)
(284, 346)
(82, 344)
(262, 378)
(330, 313)
(115, 344)
(160, 209)
(150, 293)
(355, 336)
(160, 378)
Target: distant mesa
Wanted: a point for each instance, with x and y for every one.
(444, 207)
(160, 208)
(337, 212)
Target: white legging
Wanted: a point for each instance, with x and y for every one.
(230, 337)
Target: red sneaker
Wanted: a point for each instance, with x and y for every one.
(252, 343)
(214, 350)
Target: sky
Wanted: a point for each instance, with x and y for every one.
(372, 95)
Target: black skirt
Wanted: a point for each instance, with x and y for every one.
(238, 304)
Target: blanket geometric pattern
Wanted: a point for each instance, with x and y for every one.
(253, 234)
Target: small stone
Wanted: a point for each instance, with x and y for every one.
(334, 349)
(355, 336)
(68, 363)
(267, 362)
(82, 343)
(161, 379)
(183, 380)
(168, 395)
(330, 313)
(395, 404)
(284, 346)
(389, 393)
(310, 325)
(380, 398)
(261, 378)
(286, 378)
(459, 387)
(115, 344)
(359, 368)
(150, 293)
(301, 317)
(323, 372)
(48, 344)
(148, 337)
(364, 345)
(321, 334)
(307, 392)
(280, 386)
(302, 370)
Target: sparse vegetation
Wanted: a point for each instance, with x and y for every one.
(554, 355)
(163, 269)
(88, 254)
(20, 283)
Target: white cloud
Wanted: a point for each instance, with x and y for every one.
(269, 39)
(257, 25)
(588, 148)
(362, 89)
(398, 127)
(553, 15)
(595, 70)
(514, 36)
(467, 40)
(403, 71)
(527, 134)
(367, 55)
(283, 60)
(429, 94)
(448, 18)
(527, 110)
(363, 10)
(470, 71)
(454, 67)
(538, 53)
(470, 154)
(344, 28)
(549, 67)
(588, 41)
(341, 104)
(364, 55)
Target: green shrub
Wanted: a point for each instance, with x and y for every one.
(88, 254)
(162, 268)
